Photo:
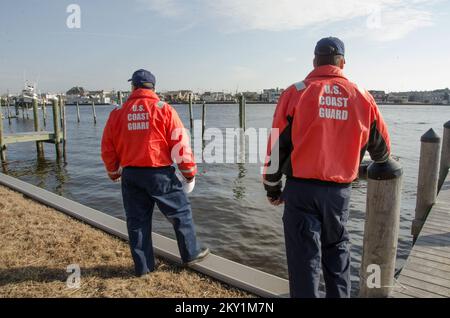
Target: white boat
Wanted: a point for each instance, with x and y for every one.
(28, 94)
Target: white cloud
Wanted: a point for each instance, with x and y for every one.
(382, 20)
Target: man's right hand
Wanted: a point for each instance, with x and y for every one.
(190, 180)
(275, 201)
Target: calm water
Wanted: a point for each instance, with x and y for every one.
(229, 204)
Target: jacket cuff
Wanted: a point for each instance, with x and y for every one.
(189, 173)
(273, 187)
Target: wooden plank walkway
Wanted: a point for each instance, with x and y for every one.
(427, 271)
(29, 136)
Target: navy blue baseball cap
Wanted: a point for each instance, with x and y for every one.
(330, 46)
(143, 78)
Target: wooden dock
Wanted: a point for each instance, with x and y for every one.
(426, 273)
(57, 137)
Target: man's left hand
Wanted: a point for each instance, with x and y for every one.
(115, 176)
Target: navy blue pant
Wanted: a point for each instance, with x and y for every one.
(315, 218)
(142, 188)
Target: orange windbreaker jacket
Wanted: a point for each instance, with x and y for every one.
(325, 125)
(146, 132)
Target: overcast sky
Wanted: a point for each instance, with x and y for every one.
(220, 45)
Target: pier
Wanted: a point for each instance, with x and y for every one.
(57, 137)
(427, 271)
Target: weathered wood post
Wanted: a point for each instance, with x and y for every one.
(44, 112)
(16, 105)
(381, 229)
(445, 155)
(78, 113)
(191, 111)
(39, 144)
(427, 187)
(64, 129)
(61, 115)
(2, 145)
(57, 127)
(203, 120)
(94, 114)
(242, 111)
(8, 110)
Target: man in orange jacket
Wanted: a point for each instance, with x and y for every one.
(324, 126)
(141, 141)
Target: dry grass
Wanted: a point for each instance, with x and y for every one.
(37, 244)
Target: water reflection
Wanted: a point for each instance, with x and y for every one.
(239, 189)
(46, 174)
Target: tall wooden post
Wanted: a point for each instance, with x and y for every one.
(191, 112)
(64, 129)
(445, 155)
(61, 115)
(57, 128)
(44, 112)
(428, 179)
(242, 111)
(381, 229)
(203, 120)
(94, 114)
(39, 144)
(8, 110)
(2, 144)
(78, 113)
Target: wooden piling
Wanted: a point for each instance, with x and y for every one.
(44, 111)
(8, 110)
(445, 155)
(2, 145)
(203, 121)
(242, 111)
(427, 186)
(64, 129)
(191, 112)
(94, 114)
(78, 113)
(39, 144)
(57, 128)
(61, 102)
(381, 229)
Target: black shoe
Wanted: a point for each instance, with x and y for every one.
(204, 253)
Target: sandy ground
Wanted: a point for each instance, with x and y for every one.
(37, 243)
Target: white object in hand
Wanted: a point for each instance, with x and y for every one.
(188, 187)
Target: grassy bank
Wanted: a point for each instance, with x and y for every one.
(37, 243)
